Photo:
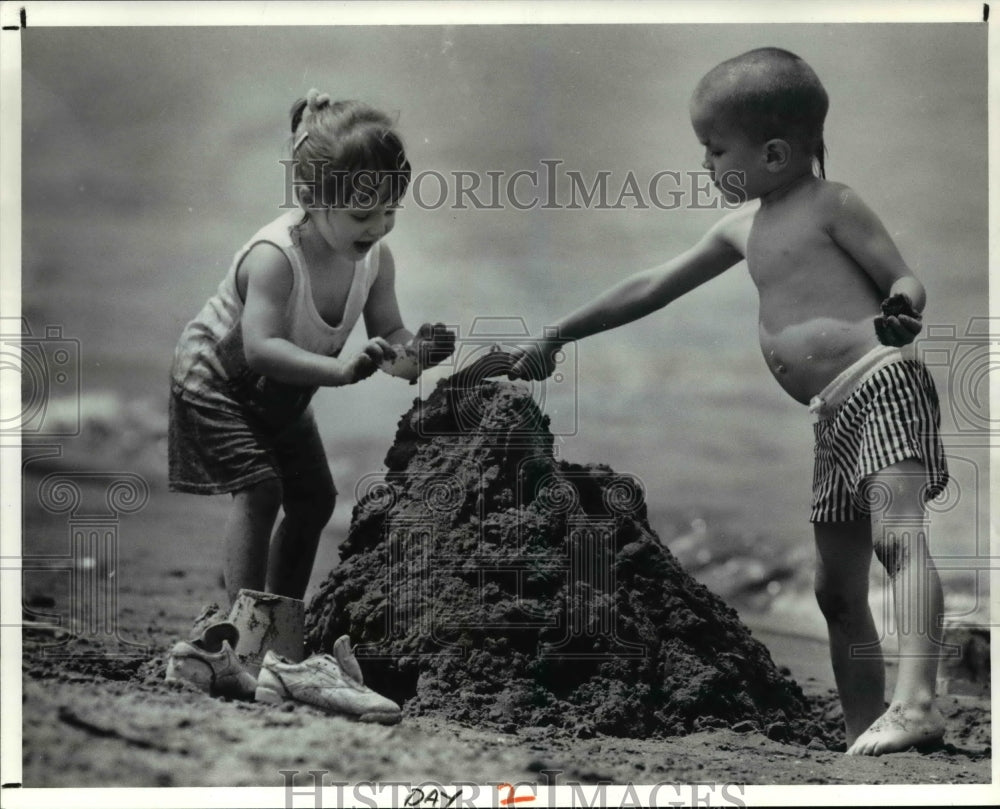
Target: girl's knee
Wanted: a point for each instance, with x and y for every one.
(263, 497)
(314, 505)
(321, 507)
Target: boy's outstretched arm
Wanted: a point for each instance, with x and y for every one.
(635, 297)
(857, 230)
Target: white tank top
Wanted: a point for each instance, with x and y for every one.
(210, 363)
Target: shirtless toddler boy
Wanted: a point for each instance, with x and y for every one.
(837, 302)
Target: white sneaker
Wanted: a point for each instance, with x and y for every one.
(210, 663)
(332, 683)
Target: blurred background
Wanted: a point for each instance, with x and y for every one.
(150, 155)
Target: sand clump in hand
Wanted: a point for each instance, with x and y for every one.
(486, 581)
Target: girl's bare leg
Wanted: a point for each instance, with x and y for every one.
(248, 535)
(308, 505)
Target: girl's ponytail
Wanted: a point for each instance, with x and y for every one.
(296, 113)
(339, 147)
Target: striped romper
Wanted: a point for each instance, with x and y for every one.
(878, 412)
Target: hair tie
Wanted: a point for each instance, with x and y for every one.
(317, 100)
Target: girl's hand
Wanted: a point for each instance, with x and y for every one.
(900, 323)
(363, 364)
(433, 344)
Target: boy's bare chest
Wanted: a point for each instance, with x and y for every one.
(781, 250)
(802, 274)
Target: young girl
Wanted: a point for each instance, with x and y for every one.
(837, 302)
(247, 366)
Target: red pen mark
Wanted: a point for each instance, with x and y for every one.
(510, 799)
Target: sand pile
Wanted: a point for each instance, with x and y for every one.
(485, 580)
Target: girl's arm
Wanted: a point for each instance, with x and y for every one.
(856, 229)
(638, 296)
(382, 317)
(268, 350)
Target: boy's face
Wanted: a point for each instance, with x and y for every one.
(737, 163)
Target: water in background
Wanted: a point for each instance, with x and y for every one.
(150, 155)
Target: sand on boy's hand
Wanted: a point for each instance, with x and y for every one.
(893, 306)
(898, 304)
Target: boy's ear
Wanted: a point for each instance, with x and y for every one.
(777, 154)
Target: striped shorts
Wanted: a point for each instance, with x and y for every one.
(890, 416)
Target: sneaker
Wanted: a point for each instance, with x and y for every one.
(210, 615)
(209, 662)
(332, 683)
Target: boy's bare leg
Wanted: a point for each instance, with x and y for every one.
(308, 505)
(843, 563)
(900, 538)
(248, 534)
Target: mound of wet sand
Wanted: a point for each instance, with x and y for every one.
(486, 581)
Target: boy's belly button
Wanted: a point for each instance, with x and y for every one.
(780, 366)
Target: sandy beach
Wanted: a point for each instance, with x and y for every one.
(97, 712)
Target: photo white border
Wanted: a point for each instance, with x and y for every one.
(398, 12)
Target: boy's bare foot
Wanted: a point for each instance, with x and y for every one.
(900, 728)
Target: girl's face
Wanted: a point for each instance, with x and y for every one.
(353, 230)
(738, 165)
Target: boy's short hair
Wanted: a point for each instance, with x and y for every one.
(769, 93)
